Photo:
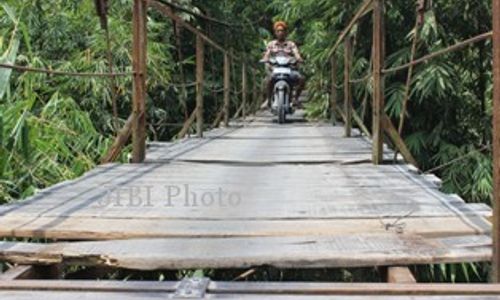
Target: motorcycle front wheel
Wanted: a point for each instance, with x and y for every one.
(281, 107)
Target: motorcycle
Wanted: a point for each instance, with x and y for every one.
(282, 86)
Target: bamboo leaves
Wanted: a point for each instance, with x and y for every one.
(9, 57)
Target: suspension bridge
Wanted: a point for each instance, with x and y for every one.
(251, 193)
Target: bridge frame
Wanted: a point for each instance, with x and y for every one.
(381, 123)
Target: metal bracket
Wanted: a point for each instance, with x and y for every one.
(192, 288)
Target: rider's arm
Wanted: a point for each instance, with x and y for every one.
(296, 53)
(267, 54)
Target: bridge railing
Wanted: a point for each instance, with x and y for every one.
(135, 125)
(380, 121)
(137, 121)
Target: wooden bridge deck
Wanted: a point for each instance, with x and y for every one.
(258, 193)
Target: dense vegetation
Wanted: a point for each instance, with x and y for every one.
(55, 128)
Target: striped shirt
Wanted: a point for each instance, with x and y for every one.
(286, 47)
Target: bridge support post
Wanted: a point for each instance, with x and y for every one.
(200, 61)
(255, 91)
(378, 80)
(496, 141)
(333, 90)
(227, 87)
(244, 90)
(347, 85)
(139, 53)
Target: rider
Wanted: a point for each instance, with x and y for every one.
(286, 47)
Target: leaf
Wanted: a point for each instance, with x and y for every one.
(9, 57)
(10, 12)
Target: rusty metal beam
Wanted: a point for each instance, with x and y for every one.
(496, 141)
(428, 57)
(399, 143)
(244, 90)
(227, 87)
(139, 53)
(120, 141)
(167, 11)
(378, 80)
(333, 90)
(347, 86)
(363, 9)
(187, 124)
(200, 65)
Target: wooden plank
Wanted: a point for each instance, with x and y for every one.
(391, 131)
(139, 57)
(282, 252)
(496, 141)
(330, 192)
(378, 80)
(200, 62)
(87, 228)
(400, 275)
(347, 86)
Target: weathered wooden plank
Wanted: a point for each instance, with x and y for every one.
(81, 228)
(283, 252)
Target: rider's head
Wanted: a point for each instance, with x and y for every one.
(280, 30)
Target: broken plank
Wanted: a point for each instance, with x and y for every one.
(360, 250)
